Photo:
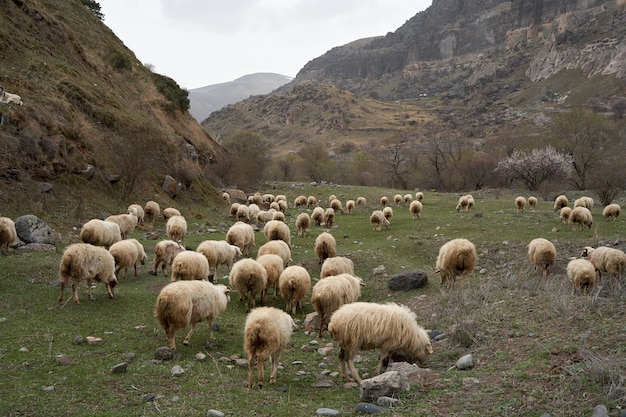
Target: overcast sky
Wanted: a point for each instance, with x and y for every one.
(204, 42)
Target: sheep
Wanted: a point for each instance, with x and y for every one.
(84, 261)
(127, 222)
(542, 254)
(185, 303)
(138, 211)
(277, 230)
(384, 201)
(169, 212)
(377, 219)
(100, 233)
(325, 246)
(282, 205)
(265, 216)
(253, 213)
(249, 278)
(397, 200)
(241, 234)
(277, 247)
(336, 206)
(388, 213)
(128, 252)
(332, 292)
(532, 202)
(233, 209)
(604, 259)
(242, 214)
(337, 265)
(278, 216)
(268, 198)
(226, 198)
(176, 228)
(267, 332)
(275, 206)
(8, 98)
(456, 257)
(281, 197)
(311, 202)
(152, 210)
(300, 201)
(256, 198)
(318, 216)
(419, 196)
(408, 198)
(584, 202)
(350, 205)
(520, 204)
(218, 252)
(390, 327)
(466, 203)
(361, 201)
(416, 209)
(274, 266)
(189, 265)
(564, 214)
(560, 202)
(303, 221)
(294, 283)
(332, 197)
(164, 253)
(8, 234)
(611, 211)
(581, 216)
(582, 273)
(329, 217)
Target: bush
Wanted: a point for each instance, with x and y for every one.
(178, 97)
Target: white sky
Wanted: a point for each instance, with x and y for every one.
(205, 42)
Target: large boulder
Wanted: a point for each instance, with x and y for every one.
(30, 229)
(409, 280)
(170, 186)
(389, 384)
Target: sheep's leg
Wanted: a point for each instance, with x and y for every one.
(274, 363)
(322, 322)
(109, 289)
(135, 269)
(342, 364)
(353, 371)
(63, 282)
(264, 296)
(171, 341)
(75, 291)
(191, 332)
(250, 370)
(259, 367)
(383, 363)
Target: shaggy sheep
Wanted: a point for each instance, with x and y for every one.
(397, 200)
(456, 257)
(274, 266)
(7, 98)
(542, 254)
(332, 197)
(604, 259)
(233, 209)
(329, 217)
(392, 328)
(612, 211)
(138, 211)
(586, 202)
(294, 283)
(581, 216)
(176, 228)
(185, 303)
(378, 219)
(8, 234)
(388, 213)
(582, 273)
(218, 252)
(350, 204)
(408, 198)
(256, 198)
(332, 292)
(265, 216)
(361, 201)
(226, 197)
(303, 221)
(151, 211)
(337, 265)
(267, 333)
(169, 212)
(283, 206)
(241, 234)
(416, 209)
(278, 216)
(564, 214)
(336, 206)
(419, 196)
(560, 202)
(277, 230)
(253, 213)
(300, 201)
(275, 206)
(325, 246)
(242, 214)
(281, 197)
(100, 233)
(127, 222)
(532, 202)
(520, 204)
(311, 202)
(249, 278)
(127, 253)
(189, 265)
(384, 201)
(84, 262)
(466, 203)
(164, 253)
(268, 198)
(276, 247)
(317, 216)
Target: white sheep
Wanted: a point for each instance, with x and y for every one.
(325, 246)
(350, 205)
(388, 213)
(84, 262)
(584, 201)
(332, 292)
(300, 201)
(138, 211)
(564, 214)
(336, 265)
(392, 328)
(8, 234)
(332, 197)
(249, 278)
(189, 265)
(274, 266)
(176, 228)
(7, 98)
(466, 203)
(164, 253)
(267, 332)
(127, 253)
(456, 257)
(329, 217)
(241, 234)
(336, 206)
(294, 283)
(361, 201)
(226, 197)
(581, 216)
(265, 216)
(378, 219)
(542, 254)
(169, 212)
(582, 273)
(604, 259)
(243, 215)
(282, 205)
(311, 202)
(253, 213)
(185, 303)
(100, 233)
(416, 209)
(560, 202)
(127, 222)
(520, 204)
(151, 210)
(278, 216)
(233, 209)
(276, 247)
(303, 221)
(419, 196)
(281, 197)
(384, 200)
(268, 198)
(218, 252)
(397, 200)
(611, 211)
(408, 198)
(317, 216)
(277, 230)
(256, 198)
(532, 202)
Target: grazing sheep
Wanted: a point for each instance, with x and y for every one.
(586, 202)
(127, 253)
(277, 247)
(350, 204)
(332, 197)
(612, 211)
(176, 228)
(275, 206)
(84, 262)
(256, 198)
(294, 283)
(388, 213)
(329, 217)
(332, 292)
(282, 205)
(277, 230)
(311, 202)
(267, 333)
(253, 213)
(127, 222)
(582, 273)
(325, 246)
(397, 200)
(169, 212)
(151, 211)
(318, 216)
(581, 216)
(249, 278)
(532, 202)
(378, 219)
(241, 234)
(419, 196)
(337, 265)
(274, 266)
(189, 265)
(7, 98)
(278, 216)
(456, 257)
(303, 221)
(265, 216)
(361, 201)
(300, 201)
(392, 328)
(542, 254)
(218, 252)
(8, 234)
(384, 201)
(226, 197)
(164, 253)
(233, 209)
(100, 233)
(243, 214)
(138, 211)
(604, 259)
(416, 209)
(560, 202)
(564, 214)
(466, 203)
(185, 303)
(336, 206)
(520, 204)
(408, 198)
(268, 198)
(281, 197)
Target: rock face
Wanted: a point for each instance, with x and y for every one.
(30, 229)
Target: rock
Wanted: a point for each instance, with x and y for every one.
(30, 229)
(78, 340)
(92, 340)
(600, 411)
(407, 281)
(326, 350)
(242, 363)
(130, 356)
(49, 388)
(200, 356)
(469, 382)
(389, 384)
(170, 186)
(237, 196)
(23, 349)
(177, 370)
(214, 413)
(38, 247)
(324, 383)
(465, 362)
(164, 353)
(388, 402)
(379, 270)
(63, 359)
(120, 368)
(149, 397)
(46, 187)
(326, 412)
(311, 322)
(367, 408)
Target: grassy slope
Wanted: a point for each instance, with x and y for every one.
(510, 320)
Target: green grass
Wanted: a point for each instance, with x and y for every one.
(506, 316)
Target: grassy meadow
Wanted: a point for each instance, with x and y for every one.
(538, 347)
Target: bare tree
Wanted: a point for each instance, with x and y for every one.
(394, 157)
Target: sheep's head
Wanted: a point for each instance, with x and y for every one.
(586, 251)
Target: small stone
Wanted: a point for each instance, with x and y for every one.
(556, 350)
(177, 370)
(282, 388)
(322, 365)
(324, 383)
(120, 368)
(214, 413)
(600, 411)
(469, 382)
(164, 353)
(23, 349)
(149, 397)
(367, 408)
(465, 362)
(379, 270)
(175, 398)
(130, 356)
(297, 363)
(49, 388)
(63, 359)
(314, 342)
(440, 337)
(78, 340)
(325, 351)
(92, 340)
(387, 402)
(200, 356)
(242, 363)
(326, 412)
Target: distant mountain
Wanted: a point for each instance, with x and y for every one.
(205, 100)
